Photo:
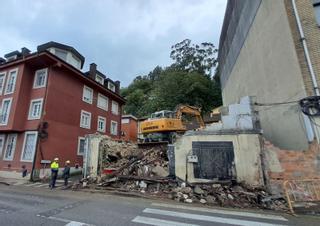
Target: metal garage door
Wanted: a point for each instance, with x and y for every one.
(215, 160)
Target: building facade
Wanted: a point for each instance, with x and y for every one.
(270, 51)
(129, 127)
(48, 105)
(261, 54)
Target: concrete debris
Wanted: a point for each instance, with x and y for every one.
(197, 190)
(160, 171)
(186, 190)
(146, 171)
(230, 197)
(203, 201)
(142, 184)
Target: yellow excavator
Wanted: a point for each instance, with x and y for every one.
(165, 125)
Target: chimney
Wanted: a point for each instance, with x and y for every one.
(2, 61)
(25, 51)
(92, 71)
(117, 83)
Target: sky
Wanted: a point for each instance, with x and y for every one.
(125, 38)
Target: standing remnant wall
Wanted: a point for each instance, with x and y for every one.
(246, 155)
(281, 165)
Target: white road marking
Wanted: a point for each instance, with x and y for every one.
(206, 218)
(227, 212)
(159, 222)
(75, 223)
(69, 222)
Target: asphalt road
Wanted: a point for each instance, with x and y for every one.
(21, 205)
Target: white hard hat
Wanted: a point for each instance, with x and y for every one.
(56, 159)
(67, 161)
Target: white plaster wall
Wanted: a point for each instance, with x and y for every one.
(93, 154)
(246, 154)
(268, 68)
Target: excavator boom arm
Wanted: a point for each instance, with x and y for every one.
(190, 110)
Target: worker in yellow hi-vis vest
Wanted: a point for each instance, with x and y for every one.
(54, 172)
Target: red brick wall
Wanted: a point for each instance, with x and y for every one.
(130, 130)
(284, 165)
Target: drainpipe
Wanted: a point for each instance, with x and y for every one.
(305, 49)
(311, 131)
(38, 145)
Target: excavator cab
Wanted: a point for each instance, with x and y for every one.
(162, 114)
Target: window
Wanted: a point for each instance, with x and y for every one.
(5, 111)
(111, 86)
(102, 102)
(85, 120)
(316, 6)
(114, 128)
(11, 83)
(125, 121)
(2, 139)
(35, 109)
(99, 79)
(74, 61)
(12, 58)
(10, 147)
(81, 145)
(61, 54)
(101, 124)
(40, 78)
(29, 146)
(115, 108)
(2, 80)
(87, 94)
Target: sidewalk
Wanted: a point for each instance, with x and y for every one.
(39, 183)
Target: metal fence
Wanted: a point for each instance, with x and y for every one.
(301, 191)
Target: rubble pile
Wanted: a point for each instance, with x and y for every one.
(231, 194)
(128, 159)
(132, 169)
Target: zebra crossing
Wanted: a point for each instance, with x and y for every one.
(161, 214)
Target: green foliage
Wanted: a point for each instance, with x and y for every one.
(181, 87)
(186, 81)
(190, 57)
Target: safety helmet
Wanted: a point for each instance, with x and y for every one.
(56, 159)
(67, 161)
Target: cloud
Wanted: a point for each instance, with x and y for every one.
(124, 38)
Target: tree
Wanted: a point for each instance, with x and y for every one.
(187, 81)
(181, 87)
(190, 57)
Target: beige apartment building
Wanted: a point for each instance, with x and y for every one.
(270, 49)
